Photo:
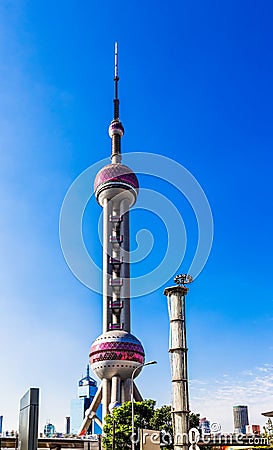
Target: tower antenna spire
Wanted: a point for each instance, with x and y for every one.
(116, 77)
(116, 129)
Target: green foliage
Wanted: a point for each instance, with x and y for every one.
(162, 421)
(268, 434)
(194, 420)
(122, 416)
(145, 416)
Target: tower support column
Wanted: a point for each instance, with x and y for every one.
(106, 396)
(115, 393)
(126, 390)
(125, 266)
(106, 268)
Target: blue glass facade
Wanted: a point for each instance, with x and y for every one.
(87, 388)
(49, 430)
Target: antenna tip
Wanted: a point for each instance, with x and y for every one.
(116, 62)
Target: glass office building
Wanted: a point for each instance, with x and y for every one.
(87, 388)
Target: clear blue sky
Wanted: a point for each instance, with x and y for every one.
(196, 86)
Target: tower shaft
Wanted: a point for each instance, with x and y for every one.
(116, 264)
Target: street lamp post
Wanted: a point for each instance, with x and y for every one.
(132, 398)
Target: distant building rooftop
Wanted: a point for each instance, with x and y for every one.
(268, 414)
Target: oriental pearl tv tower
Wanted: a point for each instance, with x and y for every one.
(116, 354)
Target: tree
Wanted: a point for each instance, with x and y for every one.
(162, 421)
(194, 420)
(143, 412)
(145, 416)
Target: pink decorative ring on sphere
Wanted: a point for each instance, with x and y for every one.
(116, 353)
(116, 127)
(117, 350)
(117, 173)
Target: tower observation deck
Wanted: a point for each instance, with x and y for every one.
(115, 354)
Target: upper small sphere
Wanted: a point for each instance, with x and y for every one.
(115, 127)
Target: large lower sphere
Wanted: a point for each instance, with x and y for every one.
(116, 353)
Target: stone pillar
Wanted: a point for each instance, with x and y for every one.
(178, 359)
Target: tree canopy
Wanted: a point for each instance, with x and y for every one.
(146, 415)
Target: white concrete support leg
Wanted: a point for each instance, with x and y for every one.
(126, 390)
(115, 393)
(106, 396)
